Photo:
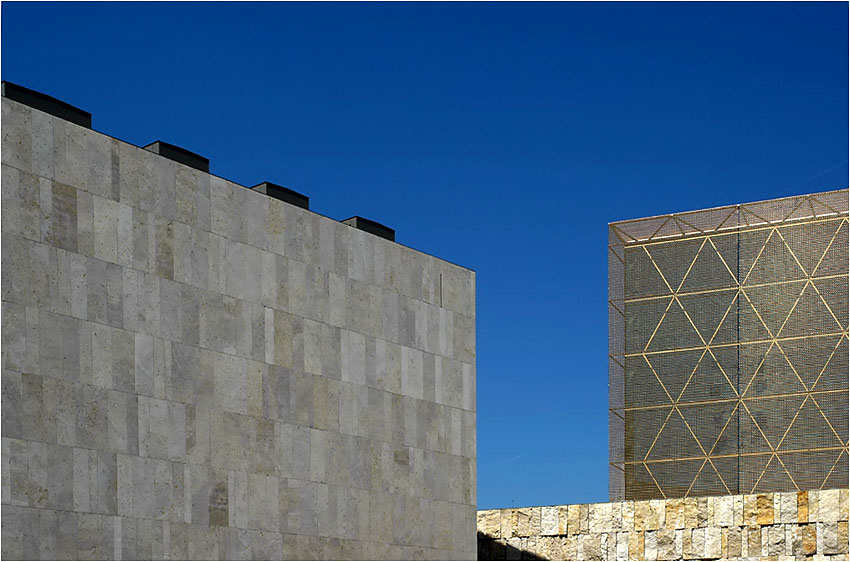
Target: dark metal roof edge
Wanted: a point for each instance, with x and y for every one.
(48, 104)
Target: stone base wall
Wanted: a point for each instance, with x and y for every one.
(779, 526)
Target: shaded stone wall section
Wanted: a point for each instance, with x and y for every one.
(779, 526)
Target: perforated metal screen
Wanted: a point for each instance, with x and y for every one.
(728, 349)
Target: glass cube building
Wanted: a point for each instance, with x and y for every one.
(728, 354)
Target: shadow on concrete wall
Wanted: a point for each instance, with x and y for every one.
(493, 549)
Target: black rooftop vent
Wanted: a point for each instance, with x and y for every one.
(47, 104)
(371, 227)
(283, 193)
(181, 155)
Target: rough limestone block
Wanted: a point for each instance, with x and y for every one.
(675, 514)
(813, 506)
(734, 544)
(590, 547)
(627, 522)
(563, 519)
(526, 522)
(785, 507)
(754, 547)
(829, 506)
(697, 512)
(622, 542)
(776, 540)
(834, 538)
(723, 514)
(764, 509)
(506, 523)
(489, 523)
(698, 543)
(548, 520)
(574, 519)
(599, 517)
(802, 507)
(650, 545)
(551, 547)
(750, 509)
(636, 545)
(649, 515)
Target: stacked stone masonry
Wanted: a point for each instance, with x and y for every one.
(780, 526)
(193, 370)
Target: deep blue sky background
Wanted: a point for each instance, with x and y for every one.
(502, 137)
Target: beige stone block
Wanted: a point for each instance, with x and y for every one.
(790, 537)
(809, 539)
(693, 543)
(785, 507)
(622, 545)
(828, 505)
(675, 514)
(526, 522)
(732, 549)
(775, 540)
(794, 542)
(563, 517)
(750, 509)
(490, 523)
(813, 506)
(802, 507)
(765, 540)
(697, 512)
(666, 545)
(650, 545)
(609, 546)
(616, 517)
(506, 517)
(649, 515)
(835, 538)
(574, 519)
(550, 547)
(590, 547)
(636, 548)
(599, 517)
(753, 542)
(610, 542)
(713, 543)
(842, 504)
(723, 512)
(764, 509)
(738, 510)
(569, 548)
(549, 520)
(628, 516)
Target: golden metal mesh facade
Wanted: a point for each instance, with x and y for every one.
(728, 353)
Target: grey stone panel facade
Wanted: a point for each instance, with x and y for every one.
(191, 369)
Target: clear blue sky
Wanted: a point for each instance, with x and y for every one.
(502, 137)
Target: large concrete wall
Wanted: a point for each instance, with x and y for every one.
(779, 526)
(195, 370)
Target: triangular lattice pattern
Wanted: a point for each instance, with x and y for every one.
(734, 376)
